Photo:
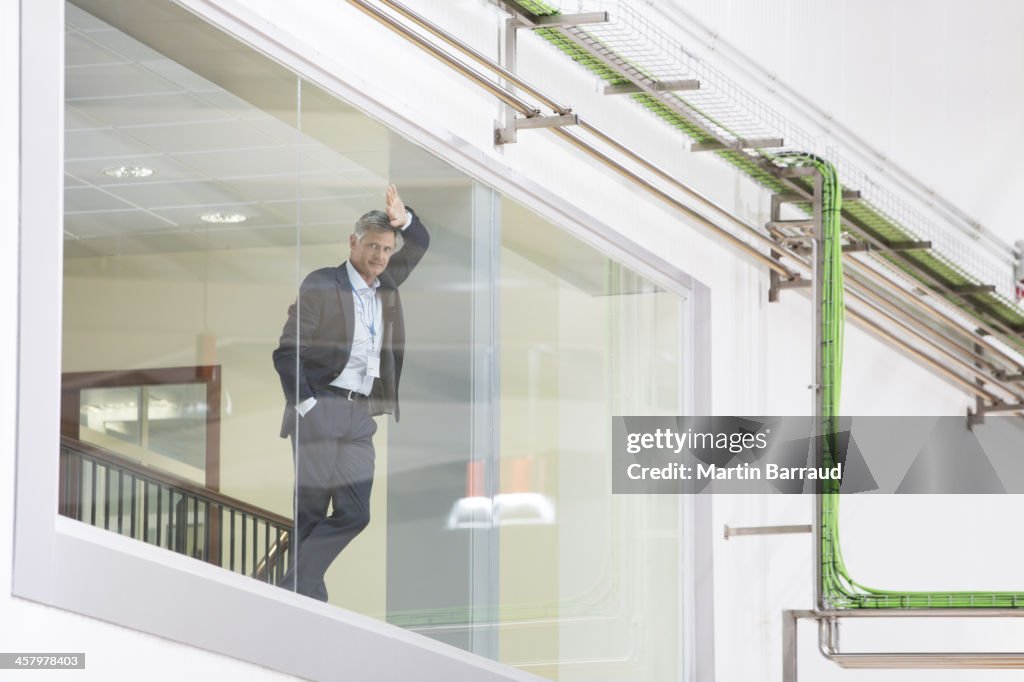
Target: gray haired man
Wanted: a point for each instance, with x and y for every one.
(340, 360)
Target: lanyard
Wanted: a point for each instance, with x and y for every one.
(372, 324)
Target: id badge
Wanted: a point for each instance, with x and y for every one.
(373, 365)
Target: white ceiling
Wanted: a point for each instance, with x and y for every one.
(127, 104)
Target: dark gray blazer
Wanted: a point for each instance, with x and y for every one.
(317, 339)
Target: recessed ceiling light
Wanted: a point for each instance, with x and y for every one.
(222, 218)
(128, 171)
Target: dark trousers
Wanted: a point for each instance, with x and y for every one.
(334, 461)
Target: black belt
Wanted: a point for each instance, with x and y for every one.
(347, 393)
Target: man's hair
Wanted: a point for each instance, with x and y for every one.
(377, 221)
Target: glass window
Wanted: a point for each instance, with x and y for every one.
(212, 199)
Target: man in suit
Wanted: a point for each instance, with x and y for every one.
(340, 361)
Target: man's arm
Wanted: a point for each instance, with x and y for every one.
(414, 236)
(415, 241)
(296, 338)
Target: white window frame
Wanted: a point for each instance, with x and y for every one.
(73, 566)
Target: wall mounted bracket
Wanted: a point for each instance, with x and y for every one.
(895, 246)
(507, 135)
(981, 410)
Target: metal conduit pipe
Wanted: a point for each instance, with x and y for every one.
(556, 106)
(526, 108)
(968, 353)
(517, 103)
(913, 332)
(863, 270)
(936, 312)
(972, 388)
(559, 108)
(625, 150)
(668, 198)
(767, 241)
(918, 661)
(471, 52)
(938, 366)
(828, 641)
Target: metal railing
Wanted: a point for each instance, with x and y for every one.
(118, 494)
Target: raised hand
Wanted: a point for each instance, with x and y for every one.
(394, 207)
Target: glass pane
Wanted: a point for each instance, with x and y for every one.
(374, 519)
(161, 425)
(585, 576)
(181, 176)
(480, 511)
(176, 422)
(111, 414)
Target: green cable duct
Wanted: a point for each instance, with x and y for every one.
(839, 590)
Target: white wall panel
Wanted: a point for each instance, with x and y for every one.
(933, 84)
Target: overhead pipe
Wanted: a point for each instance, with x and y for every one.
(526, 108)
(560, 108)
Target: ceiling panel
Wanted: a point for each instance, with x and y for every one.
(172, 194)
(78, 19)
(200, 137)
(180, 76)
(81, 50)
(101, 144)
(150, 109)
(91, 199)
(75, 119)
(88, 170)
(282, 235)
(162, 242)
(246, 162)
(335, 211)
(309, 186)
(215, 120)
(114, 80)
(373, 165)
(112, 223)
(238, 108)
(124, 45)
(257, 215)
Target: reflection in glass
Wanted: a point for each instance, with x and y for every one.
(113, 412)
(175, 420)
(162, 419)
(492, 524)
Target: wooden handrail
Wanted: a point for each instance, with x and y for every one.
(157, 475)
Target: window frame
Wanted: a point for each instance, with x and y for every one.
(72, 566)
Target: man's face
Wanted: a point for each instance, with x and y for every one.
(371, 255)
